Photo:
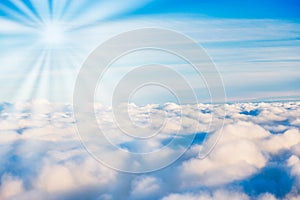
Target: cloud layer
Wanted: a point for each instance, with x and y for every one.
(257, 156)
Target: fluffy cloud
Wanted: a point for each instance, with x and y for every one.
(42, 157)
(237, 156)
(219, 194)
(145, 187)
(283, 141)
(10, 186)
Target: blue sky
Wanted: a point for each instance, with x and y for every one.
(254, 44)
(278, 9)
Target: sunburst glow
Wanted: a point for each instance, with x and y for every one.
(50, 40)
(53, 33)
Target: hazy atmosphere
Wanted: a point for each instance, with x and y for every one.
(149, 99)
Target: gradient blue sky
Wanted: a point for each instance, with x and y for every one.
(256, 48)
(255, 44)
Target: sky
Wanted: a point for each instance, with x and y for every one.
(229, 130)
(254, 45)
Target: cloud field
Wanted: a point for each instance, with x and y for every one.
(256, 157)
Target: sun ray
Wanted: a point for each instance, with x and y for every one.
(99, 11)
(50, 7)
(64, 76)
(27, 86)
(11, 29)
(42, 9)
(39, 83)
(62, 10)
(70, 8)
(43, 82)
(34, 11)
(22, 6)
(16, 16)
(61, 48)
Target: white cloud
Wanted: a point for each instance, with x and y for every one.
(55, 178)
(10, 186)
(236, 157)
(218, 194)
(279, 142)
(266, 196)
(145, 186)
(41, 155)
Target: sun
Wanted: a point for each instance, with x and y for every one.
(53, 33)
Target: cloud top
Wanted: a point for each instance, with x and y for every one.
(259, 151)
